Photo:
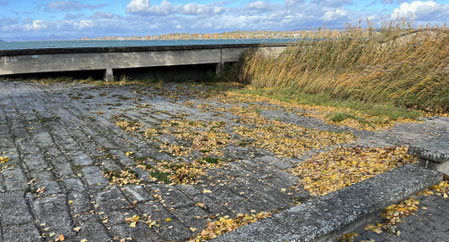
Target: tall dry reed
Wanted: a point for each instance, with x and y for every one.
(396, 63)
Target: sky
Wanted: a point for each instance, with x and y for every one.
(73, 19)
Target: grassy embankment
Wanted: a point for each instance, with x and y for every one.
(386, 74)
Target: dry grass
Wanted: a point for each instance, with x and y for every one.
(397, 64)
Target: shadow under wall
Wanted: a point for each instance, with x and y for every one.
(84, 74)
(204, 72)
(168, 73)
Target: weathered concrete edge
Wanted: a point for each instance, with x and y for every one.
(326, 218)
(429, 154)
(79, 50)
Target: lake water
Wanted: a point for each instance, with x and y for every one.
(128, 43)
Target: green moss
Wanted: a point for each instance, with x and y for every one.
(212, 160)
(161, 176)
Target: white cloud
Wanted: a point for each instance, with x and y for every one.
(332, 3)
(69, 6)
(419, 10)
(258, 5)
(335, 14)
(83, 24)
(200, 9)
(137, 6)
(393, 1)
(291, 3)
(165, 8)
(36, 25)
(144, 8)
(57, 26)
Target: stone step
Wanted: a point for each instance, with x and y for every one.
(326, 218)
(433, 154)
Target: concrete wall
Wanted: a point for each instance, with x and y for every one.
(108, 59)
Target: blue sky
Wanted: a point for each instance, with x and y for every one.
(73, 19)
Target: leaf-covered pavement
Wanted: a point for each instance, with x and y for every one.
(171, 161)
(423, 217)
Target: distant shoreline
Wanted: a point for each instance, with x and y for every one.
(209, 36)
(144, 39)
(58, 44)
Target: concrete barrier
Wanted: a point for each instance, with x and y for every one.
(433, 153)
(326, 218)
(107, 59)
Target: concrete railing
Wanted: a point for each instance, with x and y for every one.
(107, 59)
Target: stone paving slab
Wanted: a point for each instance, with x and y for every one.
(61, 140)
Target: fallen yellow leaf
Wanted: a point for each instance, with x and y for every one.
(201, 205)
(41, 190)
(60, 238)
(370, 227)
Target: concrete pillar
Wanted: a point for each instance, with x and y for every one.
(220, 65)
(219, 68)
(109, 75)
(438, 166)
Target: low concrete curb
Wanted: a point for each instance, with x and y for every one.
(429, 154)
(432, 155)
(326, 218)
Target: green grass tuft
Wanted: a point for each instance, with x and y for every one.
(211, 160)
(291, 95)
(161, 176)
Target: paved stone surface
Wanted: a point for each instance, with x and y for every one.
(428, 224)
(62, 139)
